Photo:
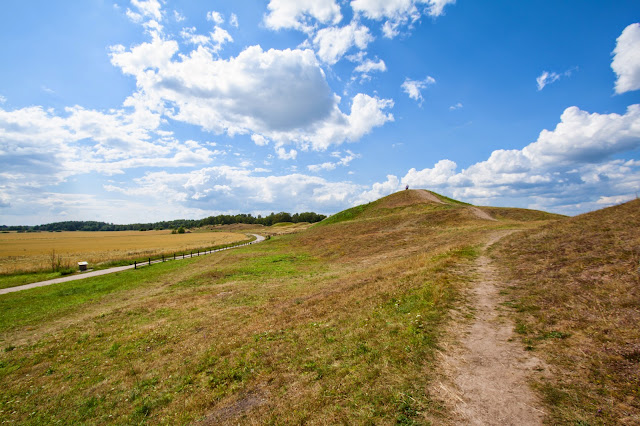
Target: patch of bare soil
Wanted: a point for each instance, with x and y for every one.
(481, 214)
(485, 372)
(427, 196)
(238, 408)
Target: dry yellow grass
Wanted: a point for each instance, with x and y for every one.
(32, 251)
(575, 290)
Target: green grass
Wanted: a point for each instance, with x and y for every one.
(55, 301)
(345, 215)
(14, 280)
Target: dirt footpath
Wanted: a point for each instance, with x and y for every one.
(486, 369)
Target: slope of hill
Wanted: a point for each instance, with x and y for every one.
(576, 297)
(338, 323)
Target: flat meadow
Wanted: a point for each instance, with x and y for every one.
(41, 251)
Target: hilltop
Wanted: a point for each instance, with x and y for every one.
(338, 322)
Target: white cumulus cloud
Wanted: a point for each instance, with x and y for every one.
(259, 140)
(398, 13)
(414, 88)
(81, 141)
(332, 43)
(220, 37)
(149, 8)
(283, 154)
(215, 17)
(282, 95)
(342, 160)
(368, 66)
(626, 59)
(214, 41)
(378, 190)
(300, 14)
(190, 36)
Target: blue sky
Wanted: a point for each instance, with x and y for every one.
(145, 110)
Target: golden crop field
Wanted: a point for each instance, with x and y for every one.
(33, 251)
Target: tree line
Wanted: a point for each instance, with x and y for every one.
(222, 219)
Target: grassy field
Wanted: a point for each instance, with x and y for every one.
(575, 295)
(338, 323)
(44, 251)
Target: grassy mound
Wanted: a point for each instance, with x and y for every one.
(337, 323)
(576, 297)
(420, 201)
(392, 203)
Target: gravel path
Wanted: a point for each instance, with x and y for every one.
(259, 239)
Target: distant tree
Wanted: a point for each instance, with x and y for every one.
(181, 230)
(308, 217)
(281, 217)
(174, 224)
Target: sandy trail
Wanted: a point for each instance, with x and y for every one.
(485, 372)
(427, 196)
(481, 214)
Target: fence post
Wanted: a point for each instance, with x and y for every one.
(198, 253)
(135, 265)
(174, 256)
(163, 258)
(149, 261)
